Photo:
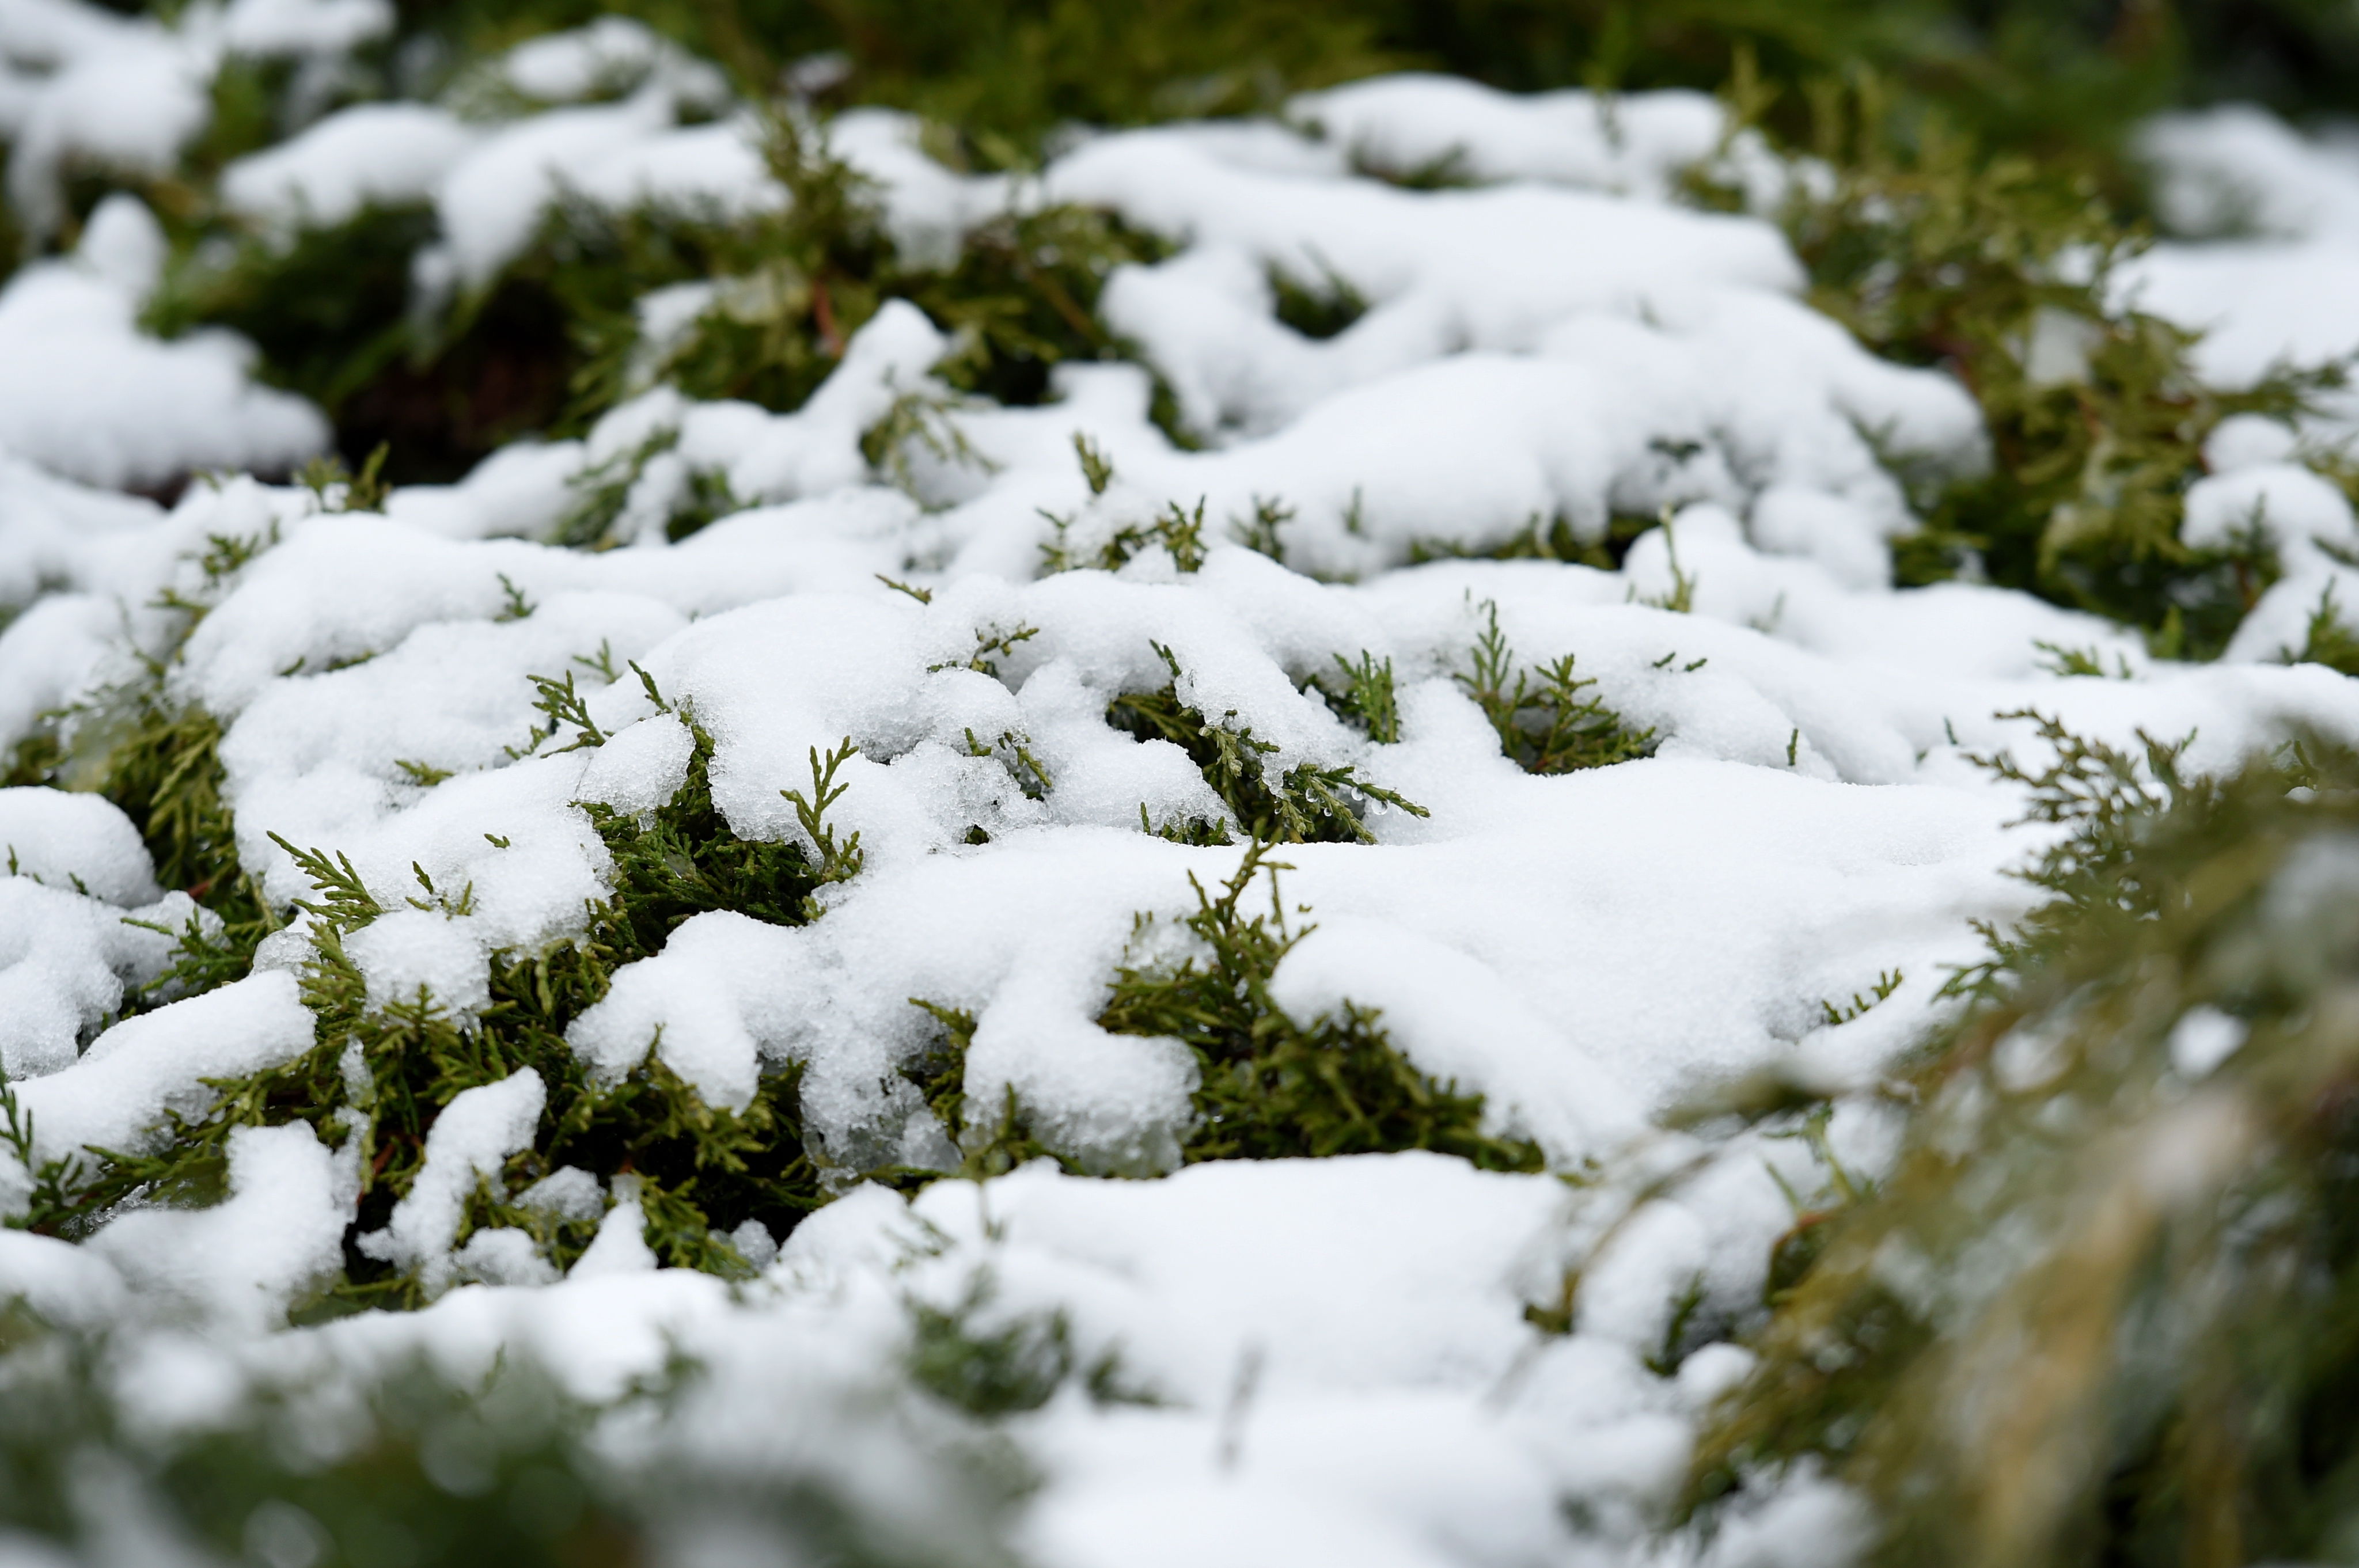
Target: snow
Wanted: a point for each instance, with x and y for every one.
(1638, 143)
(75, 839)
(468, 1143)
(414, 950)
(2267, 271)
(66, 961)
(144, 1067)
(609, 54)
(122, 93)
(492, 200)
(385, 155)
(1340, 1349)
(87, 394)
(242, 1260)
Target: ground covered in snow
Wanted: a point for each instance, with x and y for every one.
(720, 896)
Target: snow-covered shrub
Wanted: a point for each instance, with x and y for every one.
(1179, 835)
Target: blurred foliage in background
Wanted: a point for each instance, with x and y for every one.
(1984, 184)
(2058, 77)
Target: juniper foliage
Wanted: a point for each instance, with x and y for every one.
(159, 761)
(1545, 723)
(992, 1139)
(992, 1364)
(1304, 805)
(1273, 1088)
(2103, 1307)
(1364, 696)
(2328, 638)
(1175, 529)
(554, 340)
(2062, 81)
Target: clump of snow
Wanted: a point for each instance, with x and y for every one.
(90, 87)
(610, 56)
(242, 1261)
(2305, 519)
(414, 954)
(385, 155)
(66, 963)
(468, 1141)
(121, 1089)
(623, 155)
(76, 840)
(87, 394)
(77, 879)
(621, 1245)
(303, 26)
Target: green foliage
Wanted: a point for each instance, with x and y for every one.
(989, 1145)
(1022, 297)
(1175, 529)
(605, 488)
(2059, 79)
(50, 1200)
(1007, 72)
(1017, 1367)
(1543, 540)
(1264, 532)
(454, 1474)
(1019, 297)
(1978, 164)
(554, 341)
(921, 419)
(1269, 1088)
(2081, 662)
(688, 860)
(164, 770)
(1886, 982)
(160, 762)
(1305, 805)
(2106, 1308)
(1794, 1254)
(1544, 723)
(1097, 470)
(1276, 1089)
(2105, 800)
(2328, 639)
(338, 489)
(325, 305)
(1366, 699)
(1322, 309)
